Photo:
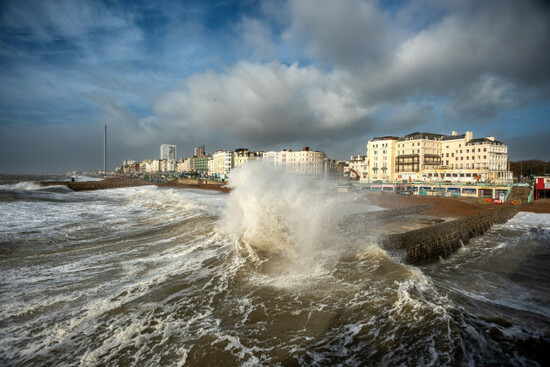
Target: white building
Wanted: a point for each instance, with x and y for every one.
(358, 163)
(222, 163)
(381, 154)
(183, 165)
(305, 161)
(168, 151)
(435, 157)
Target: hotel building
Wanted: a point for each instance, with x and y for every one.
(436, 157)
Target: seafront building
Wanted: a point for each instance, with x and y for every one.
(428, 157)
(358, 164)
(305, 161)
(243, 155)
(381, 152)
(222, 162)
(168, 151)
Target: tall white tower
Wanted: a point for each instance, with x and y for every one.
(168, 151)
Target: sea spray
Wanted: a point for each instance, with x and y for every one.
(295, 216)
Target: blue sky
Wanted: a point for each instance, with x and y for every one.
(265, 75)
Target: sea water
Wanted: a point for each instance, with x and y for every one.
(147, 276)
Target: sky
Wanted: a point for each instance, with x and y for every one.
(265, 75)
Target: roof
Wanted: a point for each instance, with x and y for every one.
(421, 135)
(453, 137)
(386, 138)
(484, 140)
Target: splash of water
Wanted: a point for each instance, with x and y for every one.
(291, 215)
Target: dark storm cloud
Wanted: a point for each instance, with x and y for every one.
(534, 145)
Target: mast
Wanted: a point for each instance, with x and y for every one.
(105, 149)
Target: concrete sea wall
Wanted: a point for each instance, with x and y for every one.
(99, 185)
(440, 240)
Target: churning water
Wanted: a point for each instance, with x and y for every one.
(263, 276)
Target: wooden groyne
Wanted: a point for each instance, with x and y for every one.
(442, 239)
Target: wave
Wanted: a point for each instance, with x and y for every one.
(289, 214)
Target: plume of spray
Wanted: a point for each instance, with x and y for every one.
(282, 215)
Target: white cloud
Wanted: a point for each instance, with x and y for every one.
(263, 103)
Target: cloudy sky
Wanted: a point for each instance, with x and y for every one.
(329, 74)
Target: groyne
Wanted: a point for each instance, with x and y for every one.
(98, 185)
(114, 183)
(442, 239)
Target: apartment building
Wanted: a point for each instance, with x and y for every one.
(222, 163)
(200, 164)
(243, 155)
(381, 152)
(305, 161)
(199, 151)
(417, 153)
(436, 157)
(183, 165)
(358, 163)
(167, 151)
(467, 159)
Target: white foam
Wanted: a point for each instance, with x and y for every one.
(288, 214)
(530, 219)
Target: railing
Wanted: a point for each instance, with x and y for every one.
(508, 193)
(432, 183)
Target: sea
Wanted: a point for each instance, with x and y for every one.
(264, 276)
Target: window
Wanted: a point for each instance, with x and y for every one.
(484, 157)
(484, 149)
(447, 155)
(467, 150)
(447, 163)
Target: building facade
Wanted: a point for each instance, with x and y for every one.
(435, 157)
(381, 152)
(168, 151)
(222, 162)
(358, 163)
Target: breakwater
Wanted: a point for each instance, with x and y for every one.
(98, 185)
(114, 183)
(442, 239)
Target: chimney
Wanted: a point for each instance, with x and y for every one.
(454, 133)
(491, 138)
(468, 136)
